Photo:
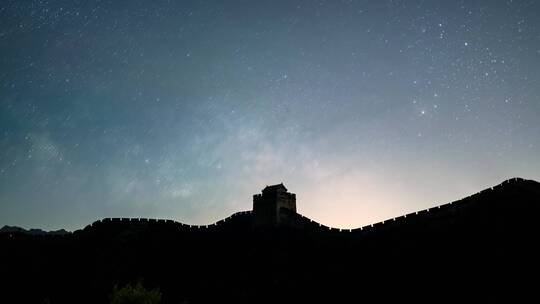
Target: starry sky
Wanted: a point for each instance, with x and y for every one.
(184, 109)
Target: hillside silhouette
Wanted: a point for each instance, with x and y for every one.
(482, 247)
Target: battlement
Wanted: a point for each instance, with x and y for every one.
(276, 207)
(419, 220)
(164, 223)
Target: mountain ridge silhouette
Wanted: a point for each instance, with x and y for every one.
(450, 251)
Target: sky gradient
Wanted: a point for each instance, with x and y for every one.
(183, 109)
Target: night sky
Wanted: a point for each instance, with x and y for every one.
(184, 109)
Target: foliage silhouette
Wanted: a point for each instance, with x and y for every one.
(135, 295)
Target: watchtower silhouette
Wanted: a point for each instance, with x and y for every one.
(268, 206)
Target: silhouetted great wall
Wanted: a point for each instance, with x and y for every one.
(481, 247)
(437, 212)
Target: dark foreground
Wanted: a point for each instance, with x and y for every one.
(484, 247)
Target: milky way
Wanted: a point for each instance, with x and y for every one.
(184, 109)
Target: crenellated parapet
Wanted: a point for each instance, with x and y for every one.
(418, 220)
(164, 223)
(276, 207)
